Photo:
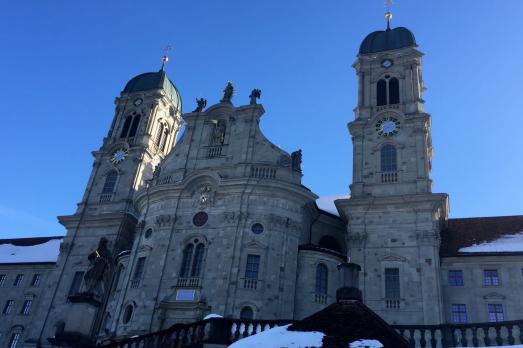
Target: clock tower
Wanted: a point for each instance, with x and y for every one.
(143, 131)
(393, 218)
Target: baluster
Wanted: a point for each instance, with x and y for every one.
(433, 342)
(520, 328)
(511, 339)
(487, 338)
(499, 341)
(475, 341)
(237, 332)
(422, 341)
(463, 333)
(411, 338)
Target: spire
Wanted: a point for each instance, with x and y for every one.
(388, 14)
(165, 57)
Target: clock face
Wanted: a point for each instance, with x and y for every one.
(119, 155)
(388, 126)
(138, 102)
(387, 63)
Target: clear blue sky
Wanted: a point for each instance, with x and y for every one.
(64, 62)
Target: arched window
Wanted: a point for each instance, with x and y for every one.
(381, 93)
(110, 182)
(329, 242)
(246, 313)
(394, 91)
(126, 126)
(159, 134)
(164, 138)
(187, 260)
(389, 158)
(322, 279)
(192, 260)
(134, 127)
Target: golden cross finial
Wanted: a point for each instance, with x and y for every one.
(388, 15)
(165, 57)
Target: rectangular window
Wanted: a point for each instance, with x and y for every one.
(252, 267)
(490, 277)
(36, 280)
(185, 295)
(140, 266)
(456, 278)
(77, 283)
(2, 279)
(14, 340)
(8, 308)
(459, 313)
(495, 312)
(26, 308)
(18, 280)
(392, 283)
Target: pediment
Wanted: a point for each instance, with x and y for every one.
(393, 258)
(254, 244)
(494, 296)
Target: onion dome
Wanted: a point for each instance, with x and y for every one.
(154, 80)
(386, 40)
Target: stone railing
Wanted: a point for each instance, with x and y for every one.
(389, 177)
(222, 332)
(190, 282)
(106, 197)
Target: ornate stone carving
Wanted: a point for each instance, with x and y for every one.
(163, 220)
(255, 94)
(296, 161)
(205, 197)
(96, 277)
(227, 93)
(201, 104)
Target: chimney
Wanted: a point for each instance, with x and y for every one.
(349, 282)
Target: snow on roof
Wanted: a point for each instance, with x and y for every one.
(212, 315)
(366, 344)
(505, 244)
(43, 252)
(280, 337)
(326, 203)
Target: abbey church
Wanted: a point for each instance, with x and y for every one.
(216, 221)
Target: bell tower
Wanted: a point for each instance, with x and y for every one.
(143, 131)
(393, 218)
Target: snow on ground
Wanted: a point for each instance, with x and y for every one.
(506, 243)
(366, 344)
(280, 337)
(45, 252)
(212, 315)
(327, 203)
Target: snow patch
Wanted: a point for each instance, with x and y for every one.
(212, 315)
(327, 203)
(366, 344)
(280, 337)
(504, 244)
(45, 252)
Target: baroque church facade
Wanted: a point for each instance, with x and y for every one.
(218, 221)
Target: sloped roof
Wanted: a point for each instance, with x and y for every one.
(344, 322)
(30, 250)
(386, 40)
(467, 232)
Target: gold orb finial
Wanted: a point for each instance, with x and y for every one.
(388, 15)
(165, 57)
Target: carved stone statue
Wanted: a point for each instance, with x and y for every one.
(201, 104)
(98, 272)
(255, 94)
(296, 160)
(227, 93)
(157, 171)
(219, 133)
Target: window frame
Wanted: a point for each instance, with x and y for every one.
(37, 279)
(18, 280)
(498, 313)
(491, 277)
(394, 292)
(454, 280)
(77, 283)
(252, 269)
(15, 338)
(111, 179)
(26, 307)
(8, 307)
(459, 313)
(321, 279)
(388, 158)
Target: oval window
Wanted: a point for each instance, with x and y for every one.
(148, 233)
(128, 313)
(257, 228)
(199, 219)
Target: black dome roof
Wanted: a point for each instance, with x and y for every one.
(385, 40)
(154, 80)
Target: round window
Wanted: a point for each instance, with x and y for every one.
(257, 228)
(200, 219)
(148, 233)
(127, 314)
